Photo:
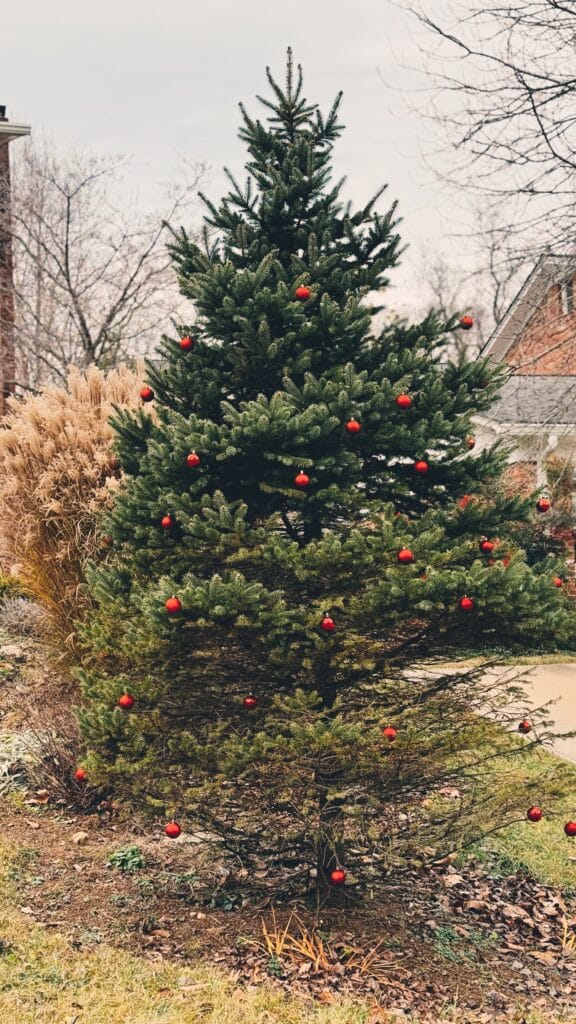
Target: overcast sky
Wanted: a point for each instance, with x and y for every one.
(159, 78)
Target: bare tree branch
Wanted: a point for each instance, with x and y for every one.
(93, 281)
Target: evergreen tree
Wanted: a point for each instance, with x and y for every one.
(300, 498)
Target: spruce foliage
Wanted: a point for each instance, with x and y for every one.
(257, 562)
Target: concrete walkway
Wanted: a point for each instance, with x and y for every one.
(546, 682)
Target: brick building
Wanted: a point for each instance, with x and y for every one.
(9, 130)
(537, 338)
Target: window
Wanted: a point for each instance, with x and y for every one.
(567, 296)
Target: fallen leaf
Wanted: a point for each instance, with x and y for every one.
(544, 958)
(452, 880)
(325, 996)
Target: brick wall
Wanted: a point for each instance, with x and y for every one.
(548, 342)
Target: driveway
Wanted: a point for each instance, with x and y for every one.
(548, 682)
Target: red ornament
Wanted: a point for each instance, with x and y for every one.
(328, 624)
(506, 562)
(80, 775)
(534, 813)
(466, 322)
(471, 442)
(126, 701)
(543, 505)
(172, 829)
(353, 427)
(389, 733)
(570, 828)
(186, 343)
(524, 726)
(466, 604)
(487, 546)
(146, 394)
(302, 479)
(403, 401)
(464, 501)
(173, 605)
(421, 466)
(337, 876)
(167, 522)
(302, 293)
(193, 460)
(405, 556)
(557, 581)
(250, 702)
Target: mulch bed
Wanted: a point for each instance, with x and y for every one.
(425, 938)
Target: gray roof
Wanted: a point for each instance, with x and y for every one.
(536, 399)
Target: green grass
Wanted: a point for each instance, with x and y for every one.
(542, 849)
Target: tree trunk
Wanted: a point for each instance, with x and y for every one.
(331, 822)
(327, 778)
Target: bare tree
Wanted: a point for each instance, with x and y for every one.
(93, 280)
(505, 97)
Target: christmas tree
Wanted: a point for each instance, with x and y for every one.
(296, 530)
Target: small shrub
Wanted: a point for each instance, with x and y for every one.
(9, 586)
(53, 759)
(17, 755)
(57, 469)
(21, 617)
(127, 858)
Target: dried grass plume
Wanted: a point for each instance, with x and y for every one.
(57, 476)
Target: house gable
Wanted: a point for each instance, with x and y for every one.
(537, 334)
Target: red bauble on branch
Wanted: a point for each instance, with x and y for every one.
(172, 829)
(403, 401)
(173, 605)
(186, 343)
(405, 556)
(337, 876)
(466, 322)
(421, 466)
(80, 774)
(487, 546)
(302, 293)
(471, 442)
(389, 733)
(524, 726)
(193, 460)
(126, 701)
(464, 501)
(146, 394)
(557, 581)
(250, 702)
(167, 522)
(353, 426)
(466, 604)
(328, 624)
(543, 505)
(570, 828)
(534, 813)
(302, 479)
